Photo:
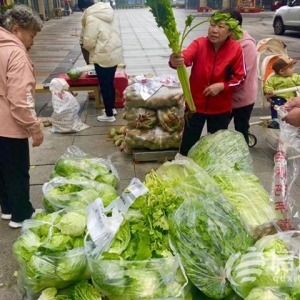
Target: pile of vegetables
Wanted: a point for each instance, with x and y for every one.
(272, 262)
(50, 251)
(140, 261)
(205, 230)
(226, 157)
(82, 290)
(77, 192)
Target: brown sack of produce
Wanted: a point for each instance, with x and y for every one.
(171, 119)
(153, 139)
(140, 117)
(164, 97)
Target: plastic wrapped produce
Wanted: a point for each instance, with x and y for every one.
(225, 148)
(153, 139)
(250, 200)
(268, 294)
(50, 251)
(171, 118)
(272, 262)
(205, 230)
(140, 117)
(75, 161)
(163, 97)
(60, 192)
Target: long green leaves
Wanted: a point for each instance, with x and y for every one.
(164, 17)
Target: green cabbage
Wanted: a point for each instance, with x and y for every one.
(217, 152)
(267, 294)
(74, 74)
(84, 291)
(87, 167)
(269, 263)
(73, 224)
(48, 294)
(25, 246)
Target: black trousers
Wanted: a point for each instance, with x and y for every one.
(194, 125)
(241, 117)
(106, 77)
(14, 178)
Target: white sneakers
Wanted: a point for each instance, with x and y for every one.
(13, 224)
(105, 118)
(114, 111)
(6, 216)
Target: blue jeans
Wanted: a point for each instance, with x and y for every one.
(276, 101)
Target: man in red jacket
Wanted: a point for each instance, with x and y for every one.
(218, 69)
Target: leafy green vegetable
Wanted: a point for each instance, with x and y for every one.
(269, 263)
(249, 198)
(25, 246)
(217, 152)
(204, 230)
(73, 224)
(164, 17)
(84, 291)
(48, 294)
(61, 193)
(90, 168)
(267, 294)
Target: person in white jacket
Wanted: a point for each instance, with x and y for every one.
(101, 37)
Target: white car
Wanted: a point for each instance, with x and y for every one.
(287, 18)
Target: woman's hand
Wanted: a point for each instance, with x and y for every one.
(295, 102)
(176, 60)
(293, 117)
(37, 138)
(214, 89)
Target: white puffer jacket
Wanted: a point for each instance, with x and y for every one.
(100, 35)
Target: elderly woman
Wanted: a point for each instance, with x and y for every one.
(18, 120)
(218, 69)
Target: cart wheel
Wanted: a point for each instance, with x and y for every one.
(252, 140)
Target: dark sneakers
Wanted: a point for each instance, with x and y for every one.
(273, 125)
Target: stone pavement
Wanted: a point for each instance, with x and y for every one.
(145, 51)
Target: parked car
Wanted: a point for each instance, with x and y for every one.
(277, 4)
(287, 18)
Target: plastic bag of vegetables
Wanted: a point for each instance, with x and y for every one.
(171, 118)
(250, 200)
(60, 192)
(268, 294)
(164, 97)
(225, 148)
(205, 230)
(50, 251)
(74, 74)
(140, 117)
(153, 139)
(75, 161)
(273, 261)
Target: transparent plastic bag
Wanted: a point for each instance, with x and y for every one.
(286, 171)
(249, 198)
(60, 192)
(171, 118)
(273, 261)
(153, 139)
(50, 251)
(65, 117)
(272, 293)
(163, 97)
(130, 280)
(225, 148)
(140, 117)
(205, 230)
(75, 162)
